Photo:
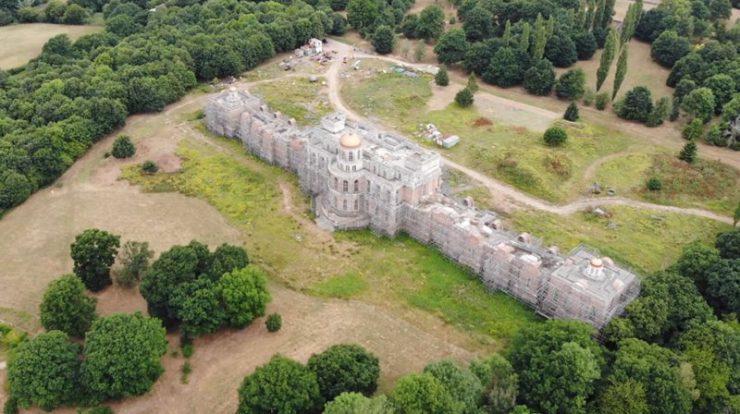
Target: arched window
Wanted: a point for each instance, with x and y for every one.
(357, 186)
(351, 156)
(345, 186)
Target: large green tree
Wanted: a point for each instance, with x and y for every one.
(464, 387)
(244, 295)
(620, 397)
(636, 105)
(280, 386)
(356, 403)
(451, 47)
(431, 23)
(607, 57)
(540, 78)
(383, 39)
(571, 85)
(93, 253)
(499, 381)
(699, 103)
(44, 371)
(621, 71)
(728, 244)
(123, 355)
(723, 285)
(423, 393)
(345, 368)
(669, 47)
(66, 308)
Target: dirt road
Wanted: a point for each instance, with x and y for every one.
(498, 189)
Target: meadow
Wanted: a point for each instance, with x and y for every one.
(23, 42)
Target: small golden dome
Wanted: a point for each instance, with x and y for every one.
(596, 262)
(350, 141)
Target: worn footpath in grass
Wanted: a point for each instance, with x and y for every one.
(646, 240)
(396, 273)
(297, 98)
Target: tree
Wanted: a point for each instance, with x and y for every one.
(695, 259)
(423, 393)
(134, 262)
(723, 285)
(555, 136)
(66, 308)
(557, 365)
(561, 51)
(464, 98)
(688, 152)
(683, 88)
(478, 24)
(607, 57)
(93, 253)
(356, 403)
(472, 84)
(668, 48)
(383, 39)
(623, 397)
(123, 355)
(431, 22)
(637, 104)
(728, 244)
(345, 368)
(585, 45)
(540, 38)
(654, 184)
(74, 14)
(441, 78)
(540, 78)
(14, 189)
(123, 147)
(280, 386)
(274, 322)
(499, 383)
(621, 71)
(699, 103)
(199, 307)
(722, 87)
(571, 113)
(661, 110)
(363, 14)
(504, 69)
(571, 85)
(244, 294)
(464, 387)
(451, 47)
(44, 371)
(656, 369)
(630, 22)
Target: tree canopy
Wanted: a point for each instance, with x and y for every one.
(66, 308)
(345, 368)
(93, 253)
(282, 385)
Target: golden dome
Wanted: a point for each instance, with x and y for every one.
(596, 262)
(350, 141)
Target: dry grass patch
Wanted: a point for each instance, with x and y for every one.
(23, 42)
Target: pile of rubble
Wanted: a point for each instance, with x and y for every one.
(433, 134)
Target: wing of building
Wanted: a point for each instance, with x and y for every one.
(360, 177)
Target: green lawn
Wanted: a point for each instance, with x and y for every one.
(646, 240)
(395, 273)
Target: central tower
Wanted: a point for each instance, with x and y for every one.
(347, 184)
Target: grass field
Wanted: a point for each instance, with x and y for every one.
(396, 273)
(23, 42)
(646, 240)
(296, 97)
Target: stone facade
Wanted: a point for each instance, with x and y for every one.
(360, 177)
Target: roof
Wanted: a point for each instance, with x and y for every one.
(350, 141)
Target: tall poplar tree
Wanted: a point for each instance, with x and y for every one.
(540, 38)
(599, 14)
(630, 21)
(507, 33)
(589, 21)
(606, 18)
(621, 71)
(607, 56)
(524, 37)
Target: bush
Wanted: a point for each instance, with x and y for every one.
(135, 261)
(588, 97)
(540, 78)
(654, 184)
(244, 295)
(123, 147)
(561, 51)
(699, 103)
(693, 129)
(274, 322)
(571, 113)
(74, 15)
(28, 15)
(585, 45)
(66, 308)
(601, 101)
(637, 104)
(668, 48)
(345, 368)
(149, 167)
(441, 78)
(464, 98)
(555, 136)
(93, 253)
(571, 85)
(280, 386)
(688, 152)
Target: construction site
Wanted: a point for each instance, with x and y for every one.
(360, 177)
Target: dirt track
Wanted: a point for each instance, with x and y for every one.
(498, 189)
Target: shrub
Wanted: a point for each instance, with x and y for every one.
(123, 147)
(149, 167)
(93, 253)
(693, 129)
(688, 152)
(473, 83)
(280, 386)
(654, 184)
(588, 97)
(383, 39)
(637, 104)
(699, 103)
(571, 85)
(571, 113)
(244, 295)
(134, 260)
(442, 78)
(555, 136)
(28, 15)
(464, 98)
(274, 322)
(540, 78)
(601, 100)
